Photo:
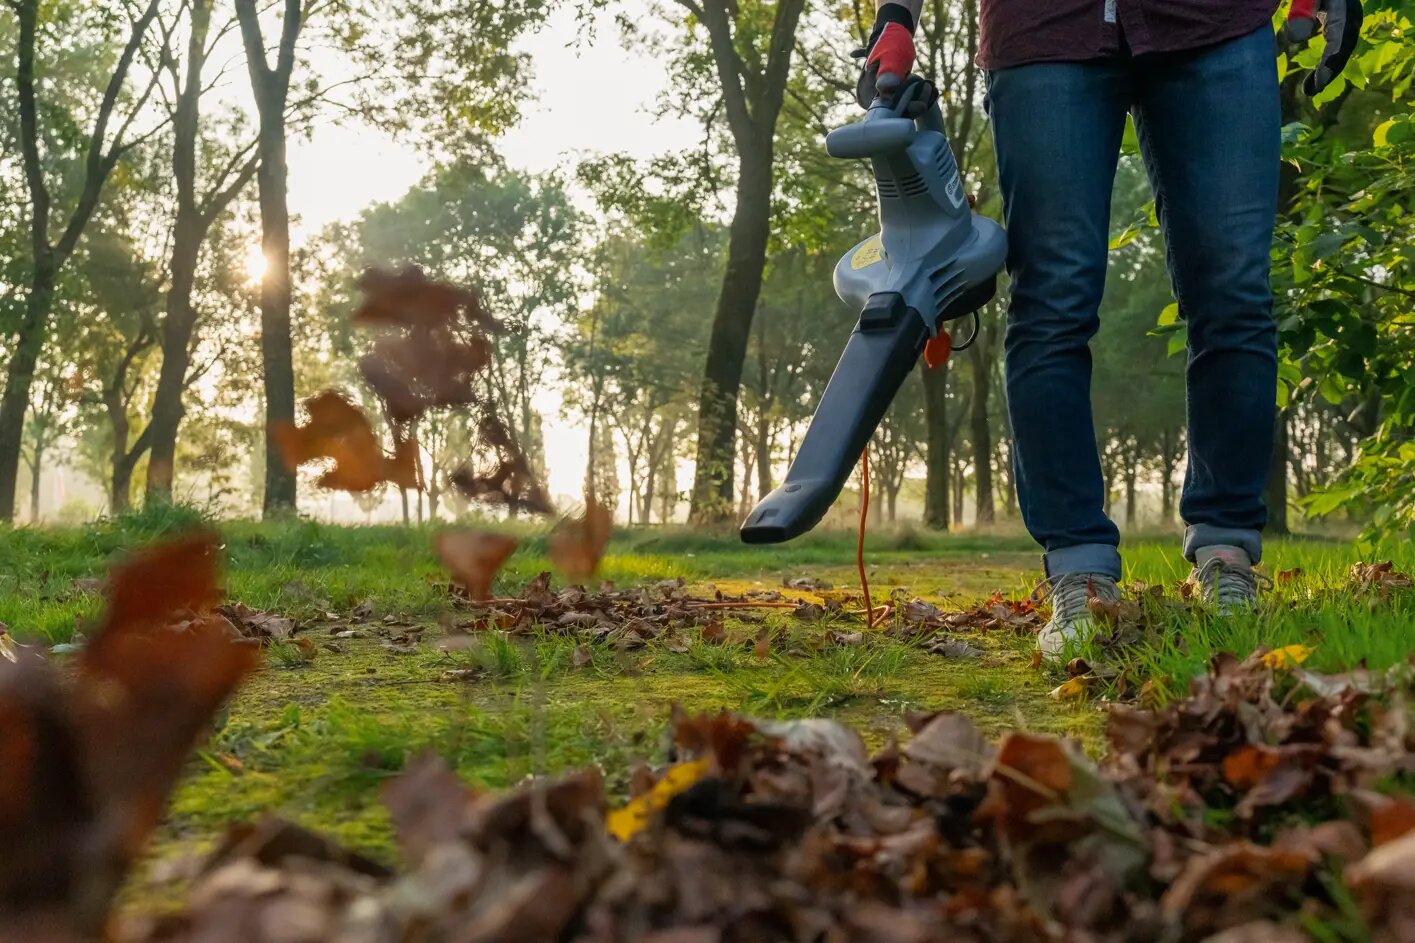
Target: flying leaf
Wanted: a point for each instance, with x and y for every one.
(339, 430)
(419, 369)
(577, 546)
(473, 558)
(408, 298)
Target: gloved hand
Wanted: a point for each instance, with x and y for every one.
(889, 55)
(1341, 24)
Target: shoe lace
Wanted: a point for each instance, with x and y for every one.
(1070, 592)
(1230, 582)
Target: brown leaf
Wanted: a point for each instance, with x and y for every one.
(419, 369)
(510, 483)
(428, 805)
(86, 763)
(339, 430)
(762, 646)
(1285, 577)
(577, 546)
(582, 656)
(1390, 866)
(1391, 817)
(1270, 775)
(407, 298)
(473, 558)
(1030, 773)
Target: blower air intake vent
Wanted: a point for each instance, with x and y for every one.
(888, 190)
(913, 185)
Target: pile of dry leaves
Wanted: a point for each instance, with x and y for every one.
(1198, 826)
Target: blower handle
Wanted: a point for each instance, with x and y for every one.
(890, 123)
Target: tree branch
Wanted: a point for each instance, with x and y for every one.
(97, 166)
(729, 70)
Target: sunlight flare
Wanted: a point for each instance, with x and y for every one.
(256, 265)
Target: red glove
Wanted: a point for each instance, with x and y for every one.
(889, 55)
(1340, 21)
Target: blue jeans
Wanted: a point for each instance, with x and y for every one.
(1209, 130)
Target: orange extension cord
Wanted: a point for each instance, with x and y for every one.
(872, 619)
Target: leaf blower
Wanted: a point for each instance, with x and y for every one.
(933, 261)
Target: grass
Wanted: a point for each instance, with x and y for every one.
(313, 738)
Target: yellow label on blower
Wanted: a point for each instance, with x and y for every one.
(870, 252)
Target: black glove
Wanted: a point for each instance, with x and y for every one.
(1341, 25)
(889, 55)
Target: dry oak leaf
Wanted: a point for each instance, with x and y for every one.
(576, 547)
(473, 558)
(339, 430)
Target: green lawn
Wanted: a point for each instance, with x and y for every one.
(314, 739)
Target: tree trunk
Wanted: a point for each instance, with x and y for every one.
(1132, 472)
(34, 481)
(47, 257)
(937, 468)
(19, 377)
(407, 514)
(120, 494)
(276, 346)
(1009, 477)
(731, 332)
(190, 228)
(959, 478)
(763, 458)
(271, 88)
(1277, 479)
(177, 328)
(984, 513)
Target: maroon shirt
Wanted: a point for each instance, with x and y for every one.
(1015, 32)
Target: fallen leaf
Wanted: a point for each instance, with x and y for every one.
(955, 648)
(582, 656)
(1390, 866)
(473, 558)
(626, 822)
(1289, 656)
(1071, 689)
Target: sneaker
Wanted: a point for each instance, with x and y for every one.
(1072, 623)
(1226, 578)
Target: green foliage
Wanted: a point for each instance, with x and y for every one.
(1345, 276)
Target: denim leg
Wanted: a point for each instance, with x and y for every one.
(1210, 134)
(1057, 129)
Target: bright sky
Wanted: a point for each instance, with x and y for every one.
(592, 98)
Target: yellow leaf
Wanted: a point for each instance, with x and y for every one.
(1071, 690)
(627, 822)
(1289, 656)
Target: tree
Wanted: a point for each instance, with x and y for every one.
(752, 64)
(271, 87)
(102, 152)
(514, 238)
(632, 358)
(207, 178)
